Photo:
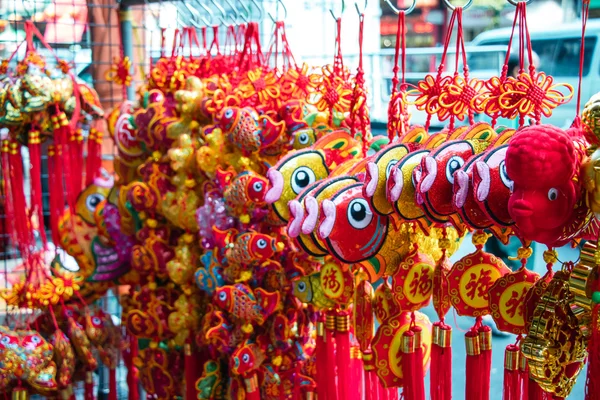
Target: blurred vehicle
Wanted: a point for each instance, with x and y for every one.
(558, 50)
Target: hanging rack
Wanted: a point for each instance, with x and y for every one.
(222, 11)
(514, 3)
(259, 8)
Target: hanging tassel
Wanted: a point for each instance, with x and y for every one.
(191, 369)
(62, 133)
(411, 372)
(592, 389)
(441, 362)
(321, 358)
(418, 375)
(91, 157)
(132, 373)
(330, 376)
(357, 376)
(54, 192)
(523, 375)
(6, 191)
(112, 384)
(19, 205)
(252, 388)
(371, 380)
(75, 148)
(342, 353)
(535, 392)
(89, 386)
(473, 366)
(35, 174)
(485, 345)
(512, 373)
(20, 394)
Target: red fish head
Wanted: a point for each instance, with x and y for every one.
(291, 114)
(32, 341)
(256, 188)
(263, 246)
(228, 117)
(542, 162)
(242, 360)
(8, 340)
(437, 177)
(351, 230)
(464, 199)
(492, 187)
(224, 298)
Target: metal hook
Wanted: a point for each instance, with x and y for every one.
(514, 3)
(245, 18)
(259, 8)
(196, 16)
(284, 12)
(343, 8)
(452, 7)
(222, 11)
(408, 10)
(209, 12)
(358, 9)
(236, 18)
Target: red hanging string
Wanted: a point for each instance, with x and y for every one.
(342, 340)
(6, 191)
(585, 11)
(397, 114)
(35, 174)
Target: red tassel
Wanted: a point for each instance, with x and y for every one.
(8, 206)
(473, 366)
(535, 392)
(524, 375)
(35, 173)
(357, 377)
(132, 373)
(75, 148)
(592, 389)
(371, 380)
(93, 162)
(62, 133)
(191, 370)
(252, 389)
(512, 373)
(320, 356)
(441, 362)
(485, 343)
(112, 384)
(342, 353)
(419, 374)
(19, 205)
(412, 372)
(56, 200)
(89, 386)
(330, 376)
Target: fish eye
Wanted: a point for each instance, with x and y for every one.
(301, 286)
(245, 358)
(92, 201)
(504, 176)
(390, 166)
(301, 178)
(552, 194)
(359, 213)
(96, 321)
(303, 138)
(257, 186)
(222, 296)
(5, 340)
(228, 113)
(261, 244)
(36, 339)
(453, 165)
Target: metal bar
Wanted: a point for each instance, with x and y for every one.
(125, 19)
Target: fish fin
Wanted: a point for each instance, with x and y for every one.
(267, 301)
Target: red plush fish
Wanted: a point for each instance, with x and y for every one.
(547, 205)
(246, 306)
(240, 125)
(243, 192)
